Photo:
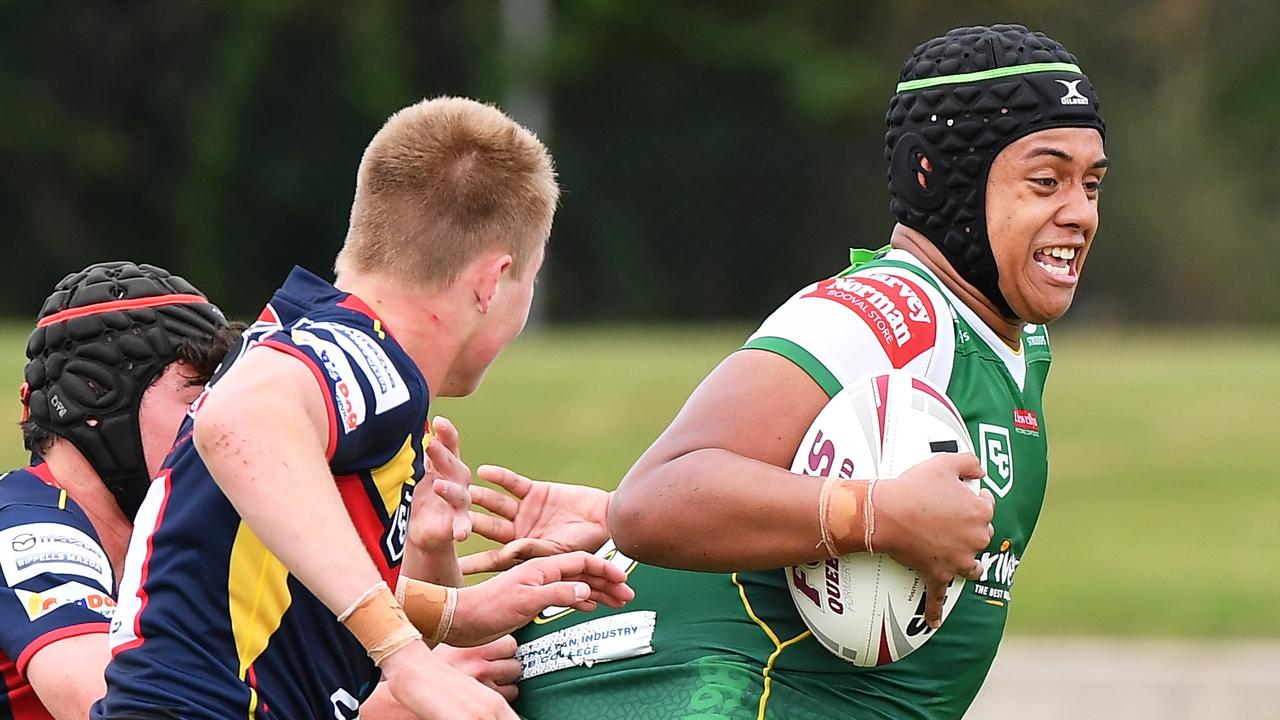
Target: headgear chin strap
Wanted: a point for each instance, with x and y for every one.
(101, 339)
(963, 98)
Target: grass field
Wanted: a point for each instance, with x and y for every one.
(1163, 512)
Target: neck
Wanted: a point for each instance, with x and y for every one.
(905, 238)
(81, 482)
(420, 321)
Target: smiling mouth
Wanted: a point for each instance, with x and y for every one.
(1059, 261)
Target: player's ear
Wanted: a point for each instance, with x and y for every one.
(24, 396)
(488, 277)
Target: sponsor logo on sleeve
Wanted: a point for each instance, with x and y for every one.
(389, 388)
(348, 398)
(895, 308)
(34, 549)
(39, 604)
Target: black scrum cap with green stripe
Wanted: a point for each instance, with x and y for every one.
(101, 339)
(963, 98)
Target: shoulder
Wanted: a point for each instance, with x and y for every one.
(25, 488)
(365, 373)
(45, 533)
(371, 391)
(880, 317)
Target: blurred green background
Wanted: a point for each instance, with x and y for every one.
(1160, 518)
(714, 157)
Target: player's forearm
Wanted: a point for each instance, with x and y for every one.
(439, 566)
(714, 510)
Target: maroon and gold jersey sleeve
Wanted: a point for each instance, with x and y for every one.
(56, 580)
(366, 395)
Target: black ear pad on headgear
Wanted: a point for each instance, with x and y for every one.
(101, 339)
(963, 98)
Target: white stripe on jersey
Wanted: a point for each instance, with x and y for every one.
(129, 604)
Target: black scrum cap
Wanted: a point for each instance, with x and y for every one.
(963, 98)
(101, 339)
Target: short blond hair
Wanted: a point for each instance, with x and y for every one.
(443, 181)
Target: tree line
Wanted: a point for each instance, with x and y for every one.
(714, 156)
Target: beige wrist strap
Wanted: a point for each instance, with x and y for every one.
(845, 516)
(379, 623)
(429, 607)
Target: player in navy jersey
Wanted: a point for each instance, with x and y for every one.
(145, 342)
(258, 582)
(118, 353)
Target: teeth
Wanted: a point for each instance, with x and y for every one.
(1054, 269)
(1066, 253)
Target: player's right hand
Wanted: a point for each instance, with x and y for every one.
(493, 664)
(536, 519)
(432, 690)
(511, 599)
(440, 514)
(930, 521)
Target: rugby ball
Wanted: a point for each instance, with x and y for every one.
(864, 608)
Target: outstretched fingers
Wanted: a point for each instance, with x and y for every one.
(574, 563)
(607, 592)
(509, 480)
(603, 581)
(506, 557)
(500, 504)
(446, 433)
(493, 527)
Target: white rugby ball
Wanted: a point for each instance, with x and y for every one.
(868, 609)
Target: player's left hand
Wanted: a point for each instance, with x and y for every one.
(439, 516)
(536, 519)
(511, 599)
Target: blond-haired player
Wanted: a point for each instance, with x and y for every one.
(273, 573)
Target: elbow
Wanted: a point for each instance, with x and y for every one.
(626, 524)
(633, 521)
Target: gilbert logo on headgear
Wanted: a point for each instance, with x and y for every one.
(1073, 96)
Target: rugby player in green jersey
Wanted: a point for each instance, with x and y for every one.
(995, 150)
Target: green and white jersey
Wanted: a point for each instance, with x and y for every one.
(711, 646)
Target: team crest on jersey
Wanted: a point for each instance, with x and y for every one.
(398, 532)
(997, 457)
(895, 308)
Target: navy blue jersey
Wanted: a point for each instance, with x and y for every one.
(211, 624)
(57, 580)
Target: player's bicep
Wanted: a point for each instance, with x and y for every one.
(756, 404)
(67, 674)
